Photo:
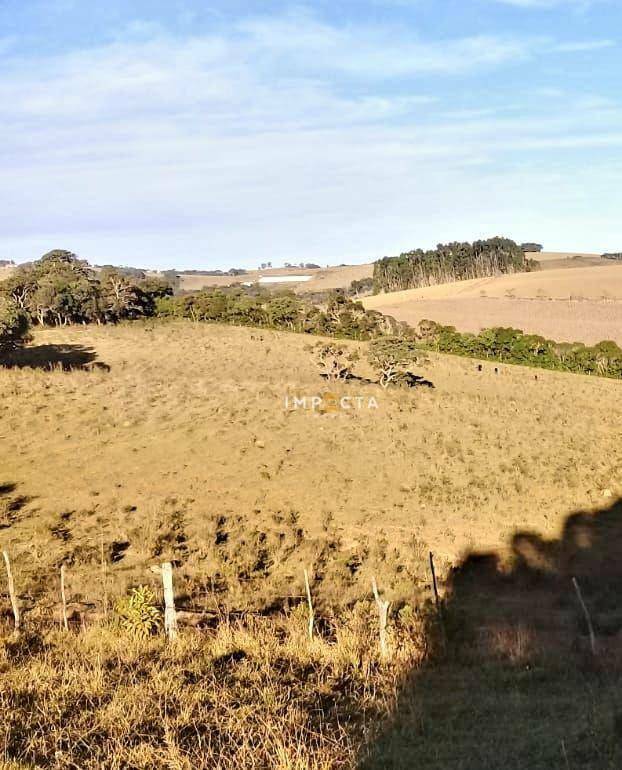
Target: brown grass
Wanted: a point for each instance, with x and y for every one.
(185, 450)
(321, 280)
(250, 695)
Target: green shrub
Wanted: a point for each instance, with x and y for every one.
(513, 346)
(138, 612)
(250, 306)
(14, 325)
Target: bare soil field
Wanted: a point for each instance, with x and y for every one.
(583, 304)
(185, 448)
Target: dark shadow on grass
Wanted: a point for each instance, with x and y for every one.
(417, 381)
(516, 686)
(50, 357)
(11, 505)
(410, 380)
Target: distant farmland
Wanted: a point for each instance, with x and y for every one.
(581, 304)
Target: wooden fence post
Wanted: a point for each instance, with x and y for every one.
(63, 597)
(383, 611)
(437, 600)
(588, 620)
(12, 593)
(310, 603)
(104, 575)
(170, 614)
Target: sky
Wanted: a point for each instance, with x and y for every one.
(199, 134)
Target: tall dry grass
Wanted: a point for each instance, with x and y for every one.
(252, 694)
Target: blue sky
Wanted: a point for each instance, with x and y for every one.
(218, 134)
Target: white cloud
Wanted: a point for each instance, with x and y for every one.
(247, 144)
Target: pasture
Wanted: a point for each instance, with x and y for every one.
(187, 441)
(126, 445)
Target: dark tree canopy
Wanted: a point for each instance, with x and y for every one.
(14, 325)
(60, 289)
(513, 346)
(253, 306)
(449, 262)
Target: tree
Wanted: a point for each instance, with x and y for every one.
(20, 286)
(391, 357)
(450, 262)
(120, 297)
(363, 286)
(333, 361)
(284, 310)
(61, 289)
(14, 325)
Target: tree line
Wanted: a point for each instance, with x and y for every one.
(513, 346)
(339, 316)
(450, 262)
(60, 289)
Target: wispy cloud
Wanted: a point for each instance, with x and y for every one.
(271, 138)
(582, 4)
(581, 46)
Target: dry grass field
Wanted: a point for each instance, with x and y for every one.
(321, 280)
(186, 442)
(582, 304)
(124, 446)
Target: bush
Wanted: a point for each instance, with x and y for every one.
(333, 361)
(138, 612)
(14, 325)
(392, 357)
(513, 346)
(337, 316)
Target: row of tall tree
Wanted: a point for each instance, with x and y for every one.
(339, 316)
(60, 289)
(450, 262)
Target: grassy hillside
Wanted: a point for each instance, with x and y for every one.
(185, 448)
(125, 446)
